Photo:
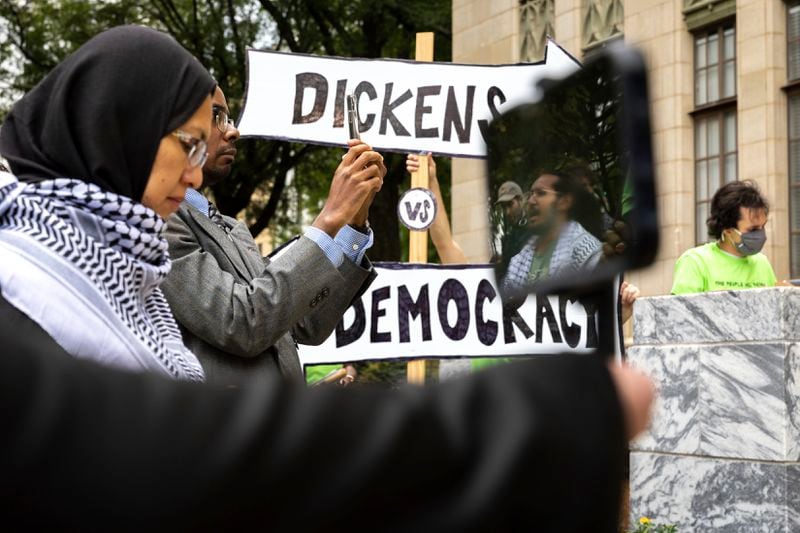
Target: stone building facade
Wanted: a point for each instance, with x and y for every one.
(725, 88)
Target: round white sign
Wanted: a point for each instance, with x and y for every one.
(417, 209)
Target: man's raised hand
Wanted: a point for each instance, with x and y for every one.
(356, 181)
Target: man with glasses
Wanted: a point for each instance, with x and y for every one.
(243, 314)
(558, 244)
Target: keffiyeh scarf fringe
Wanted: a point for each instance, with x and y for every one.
(115, 243)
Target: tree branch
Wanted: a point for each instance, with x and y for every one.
(237, 40)
(327, 37)
(287, 163)
(284, 26)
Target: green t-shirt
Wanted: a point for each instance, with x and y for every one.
(486, 362)
(540, 264)
(708, 268)
(317, 372)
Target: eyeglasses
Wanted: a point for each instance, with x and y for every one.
(196, 149)
(222, 120)
(540, 193)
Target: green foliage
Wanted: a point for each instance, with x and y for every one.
(278, 184)
(392, 374)
(648, 526)
(36, 34)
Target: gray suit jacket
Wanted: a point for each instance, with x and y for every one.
(241, 313)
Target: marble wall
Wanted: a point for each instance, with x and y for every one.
(723, 450)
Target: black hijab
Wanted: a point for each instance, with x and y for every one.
(99, 116)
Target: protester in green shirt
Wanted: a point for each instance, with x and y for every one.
(734, 260)
(316, 373)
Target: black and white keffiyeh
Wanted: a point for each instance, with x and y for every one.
(575, 250)
(85, 264)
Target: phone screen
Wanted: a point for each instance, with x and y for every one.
(352, 117)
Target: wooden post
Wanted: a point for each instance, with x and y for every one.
(418, 240)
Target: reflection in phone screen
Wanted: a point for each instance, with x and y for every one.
(560, 199)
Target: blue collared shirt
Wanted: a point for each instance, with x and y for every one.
(196, 200)
(348, 243)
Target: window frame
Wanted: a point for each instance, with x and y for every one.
(721, 113)
(721, 108)
(792, 184)
(792, 91)
(719, 30)
(790, 4)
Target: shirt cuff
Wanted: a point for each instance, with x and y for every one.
(331, 250)
(353, 243)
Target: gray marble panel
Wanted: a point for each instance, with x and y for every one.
(675, 422)
(724, 316)
(792, 392)
(454, 368)
(793, 493)
(735, 400)
(645, 321)
(743, 411)
(791, 313)
(708, 494)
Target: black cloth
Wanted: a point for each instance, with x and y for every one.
(536, 446)
(100, 115)
(512, 242)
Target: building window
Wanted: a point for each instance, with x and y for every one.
(714, 118)
(793, 75)
(794, 181)
(714, 66)
(715, 161)
(537, 22)
(793, 37)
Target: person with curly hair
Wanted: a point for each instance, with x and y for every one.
(733, 260)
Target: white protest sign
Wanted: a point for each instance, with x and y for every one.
(414, 311)
(404, 106)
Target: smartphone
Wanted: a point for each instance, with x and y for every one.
(352, 117)
(587, 136)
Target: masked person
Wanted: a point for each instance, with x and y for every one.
(733, 260)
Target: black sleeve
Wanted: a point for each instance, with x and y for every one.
(82, 446)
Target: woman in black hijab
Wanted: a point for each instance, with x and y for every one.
(101, 151)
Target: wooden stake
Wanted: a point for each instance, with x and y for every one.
(418, 240)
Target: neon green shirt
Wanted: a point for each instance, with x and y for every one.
(317, 372)
(709, 268)
(486, 362)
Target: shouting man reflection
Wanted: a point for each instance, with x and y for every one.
(559, 244)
